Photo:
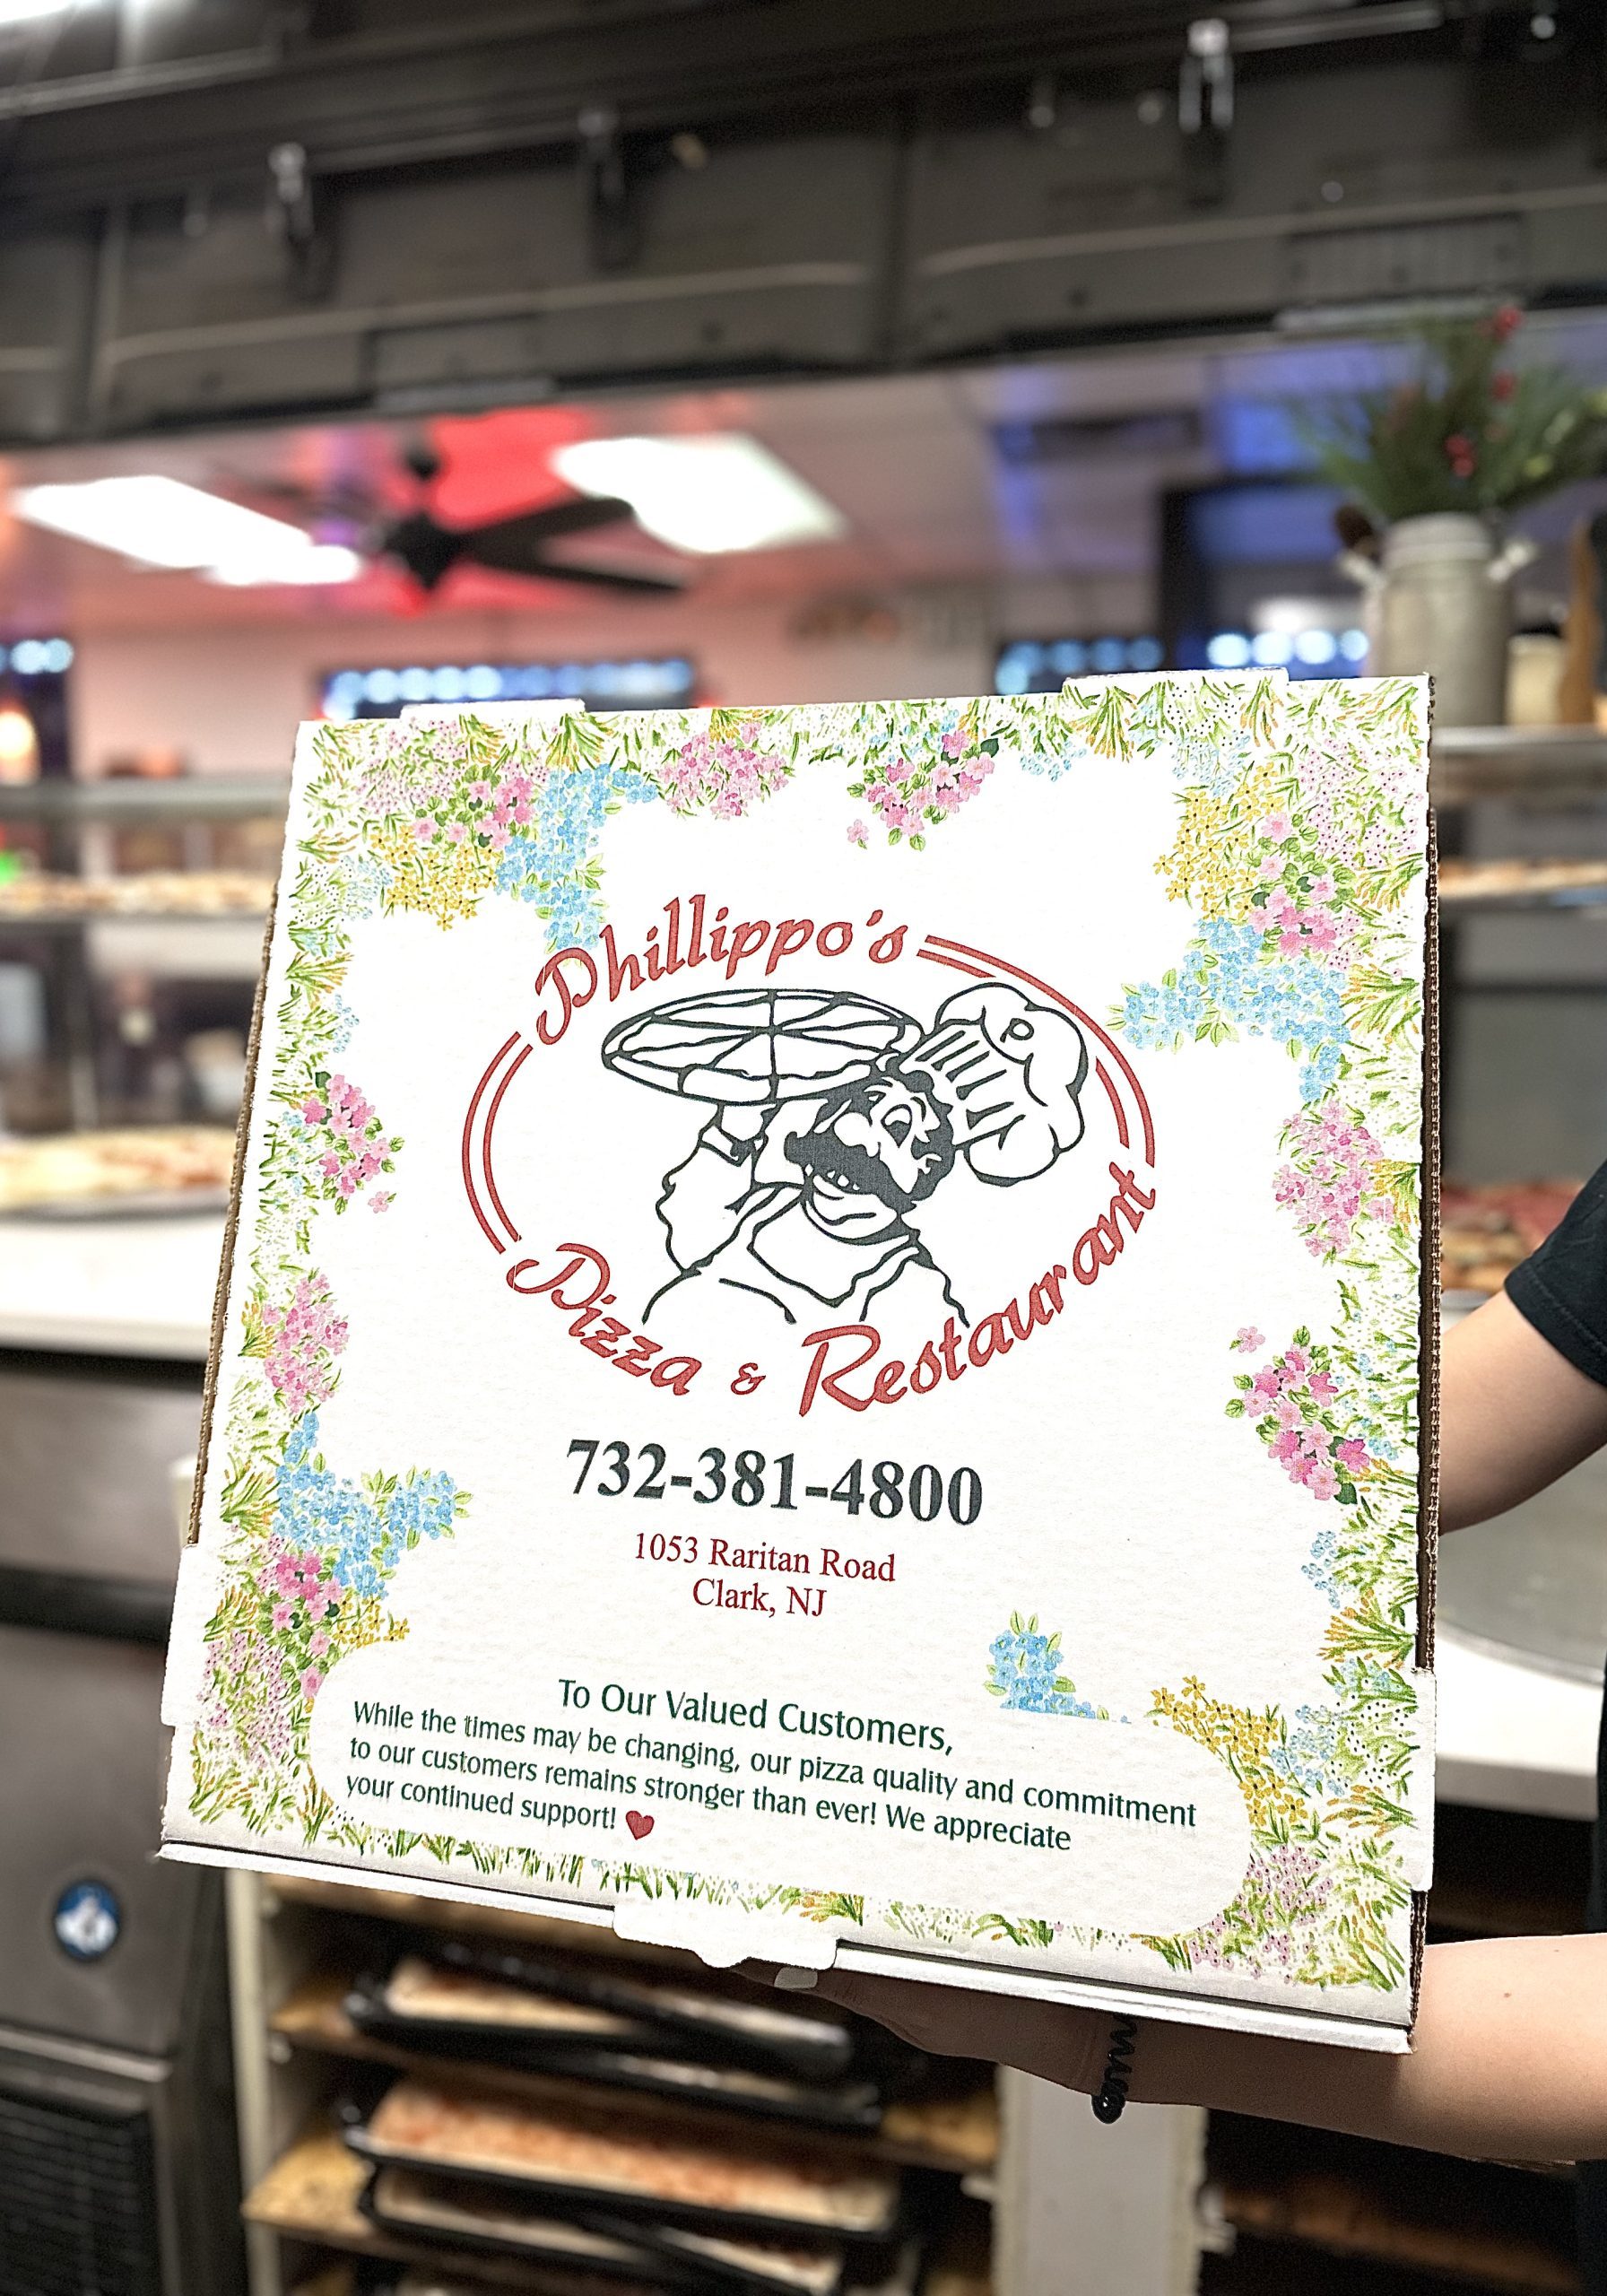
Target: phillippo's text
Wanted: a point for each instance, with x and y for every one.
(568, 981)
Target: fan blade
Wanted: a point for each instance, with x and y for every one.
(514, 544)
(596, 577)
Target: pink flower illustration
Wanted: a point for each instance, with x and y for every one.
(1328, 1177)
(1277, 829)
(1248, 1339)
(1296, 1408)
(728, 777)
(380, 1201)
(312, 1682)
(858, 834)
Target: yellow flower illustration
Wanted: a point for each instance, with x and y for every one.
(1215, 859)
(445, 880)
(1243, 1740)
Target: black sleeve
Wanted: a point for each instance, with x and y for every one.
(1562, 1288)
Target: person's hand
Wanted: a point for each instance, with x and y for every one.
(1065, 2046)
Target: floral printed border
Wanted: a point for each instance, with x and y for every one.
(1304, 868)
(1300, 838)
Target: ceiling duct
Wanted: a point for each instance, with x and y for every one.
(769, 188)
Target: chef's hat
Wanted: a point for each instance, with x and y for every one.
(1009, 1072)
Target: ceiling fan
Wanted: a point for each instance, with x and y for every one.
(427, 548)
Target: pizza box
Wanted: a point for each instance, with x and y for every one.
(827, 1349)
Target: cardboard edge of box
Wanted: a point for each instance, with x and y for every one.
(1191, 2008)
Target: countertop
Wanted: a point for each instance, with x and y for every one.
(111, 1287)
(1511, 1736)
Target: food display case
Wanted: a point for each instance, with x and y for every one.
(131, 925)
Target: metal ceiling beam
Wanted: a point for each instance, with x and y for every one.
(520, 80)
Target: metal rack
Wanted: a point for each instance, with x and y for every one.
(1057, 2184)
(216, 797)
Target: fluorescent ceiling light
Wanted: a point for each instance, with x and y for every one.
(721, 493)
(316, 562)
(163, 522)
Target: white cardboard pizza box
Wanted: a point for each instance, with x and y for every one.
(826, 1352)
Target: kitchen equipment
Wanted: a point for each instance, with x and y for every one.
(117, 2171)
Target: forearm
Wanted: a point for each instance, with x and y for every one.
(1514, 1414)
(1508, 2060)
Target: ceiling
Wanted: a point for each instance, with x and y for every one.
(914, 463)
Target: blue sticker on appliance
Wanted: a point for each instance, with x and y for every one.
(88, 1920)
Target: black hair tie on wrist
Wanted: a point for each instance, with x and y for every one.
(1111, 2096)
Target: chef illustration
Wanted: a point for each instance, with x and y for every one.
(834, 1118)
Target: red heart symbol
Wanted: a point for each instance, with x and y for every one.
(639, 1823)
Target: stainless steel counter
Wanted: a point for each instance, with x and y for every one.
(110, 1286)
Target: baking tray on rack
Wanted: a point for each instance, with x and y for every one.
(416, 2206)
(435, 2012)
(813, 2044)
(594, 2160)
(423, 2003)
(413, 2205)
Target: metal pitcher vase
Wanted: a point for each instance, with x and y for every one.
(1440, 600)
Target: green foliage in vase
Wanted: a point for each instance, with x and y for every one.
(1469, 431)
